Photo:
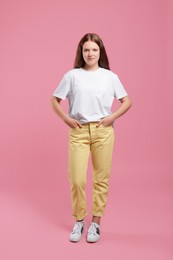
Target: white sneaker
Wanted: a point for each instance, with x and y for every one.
(93, 233)
(78, 229)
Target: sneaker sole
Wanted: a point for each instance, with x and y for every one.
(88, 241)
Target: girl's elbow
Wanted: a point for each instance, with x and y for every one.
(130, 103)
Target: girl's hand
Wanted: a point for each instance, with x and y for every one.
(107, 121)
(71, 122)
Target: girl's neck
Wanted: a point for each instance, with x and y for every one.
(92, 68)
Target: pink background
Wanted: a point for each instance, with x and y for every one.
(38, 44)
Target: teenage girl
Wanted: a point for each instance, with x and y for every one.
(90, 88)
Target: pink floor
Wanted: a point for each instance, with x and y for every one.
(135, 227)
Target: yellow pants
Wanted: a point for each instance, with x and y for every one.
(99, 141)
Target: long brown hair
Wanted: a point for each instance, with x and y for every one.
(103, 60)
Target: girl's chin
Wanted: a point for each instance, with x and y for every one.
(91, 63)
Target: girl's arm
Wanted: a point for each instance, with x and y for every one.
(60, 112)
(126, 103)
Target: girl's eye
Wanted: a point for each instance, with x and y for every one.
(87, 50)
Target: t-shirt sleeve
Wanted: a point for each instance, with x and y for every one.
(119, 90)
(63, 88)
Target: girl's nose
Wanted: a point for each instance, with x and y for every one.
(90, 53)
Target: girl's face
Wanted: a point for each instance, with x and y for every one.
(91, 54)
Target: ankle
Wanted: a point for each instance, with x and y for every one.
(96, 219)
(82, 220)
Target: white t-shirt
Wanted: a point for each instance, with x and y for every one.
(90, 93)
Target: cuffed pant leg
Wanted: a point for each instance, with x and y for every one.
(101, 150)
(79, 150)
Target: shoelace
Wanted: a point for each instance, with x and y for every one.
(77, 228)
(92, 229)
